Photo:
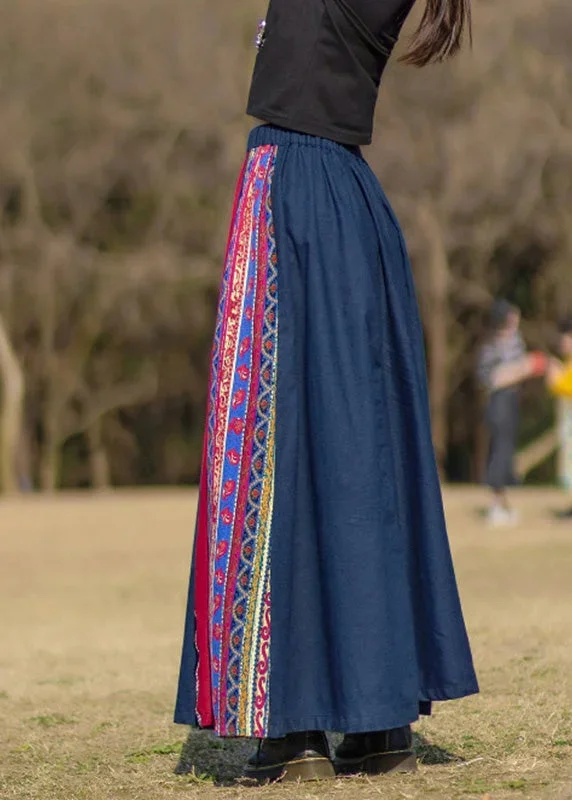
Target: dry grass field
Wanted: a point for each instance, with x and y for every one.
(92, 594)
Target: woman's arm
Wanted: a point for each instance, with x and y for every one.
(377, 14)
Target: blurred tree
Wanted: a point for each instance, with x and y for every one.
(121, 138)
(11, 412)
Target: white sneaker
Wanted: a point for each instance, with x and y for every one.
(501, 517)
(512, 516)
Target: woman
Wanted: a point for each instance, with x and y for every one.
(322, 591)
(503, 366)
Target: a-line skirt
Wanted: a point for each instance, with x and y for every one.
(322, 592)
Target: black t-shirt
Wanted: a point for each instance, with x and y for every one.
(320, 63)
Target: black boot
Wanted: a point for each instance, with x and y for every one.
(299, 756)
(377, 752)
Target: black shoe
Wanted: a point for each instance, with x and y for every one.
(377, 752)
(299, 756)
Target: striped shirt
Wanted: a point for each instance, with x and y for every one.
(498, 352)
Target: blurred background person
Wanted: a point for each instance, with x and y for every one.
(559, 378)
(503, 366)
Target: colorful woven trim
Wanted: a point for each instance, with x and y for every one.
(238, 471)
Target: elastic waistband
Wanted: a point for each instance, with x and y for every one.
(281, 137)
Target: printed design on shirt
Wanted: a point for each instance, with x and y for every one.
(260, 34)
(240, 460)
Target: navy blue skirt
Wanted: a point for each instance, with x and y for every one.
(322, 592)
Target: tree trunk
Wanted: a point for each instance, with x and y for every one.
(50, 450)
(481, 444)
(98, 460)
(24, 467)
(51, 412)
(436, 317)
(49, 468)
(11, 412)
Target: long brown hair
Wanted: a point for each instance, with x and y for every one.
(441, 31)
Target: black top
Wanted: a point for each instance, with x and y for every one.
(320, 63)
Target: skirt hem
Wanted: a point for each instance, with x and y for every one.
(383, 719)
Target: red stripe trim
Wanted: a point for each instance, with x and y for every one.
(204, 706)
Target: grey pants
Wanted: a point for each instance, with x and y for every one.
(502, 420)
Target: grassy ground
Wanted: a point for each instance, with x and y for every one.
(92, 594)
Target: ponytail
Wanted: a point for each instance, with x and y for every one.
(441, 31)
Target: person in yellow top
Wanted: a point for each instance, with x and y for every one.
(559, 377)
